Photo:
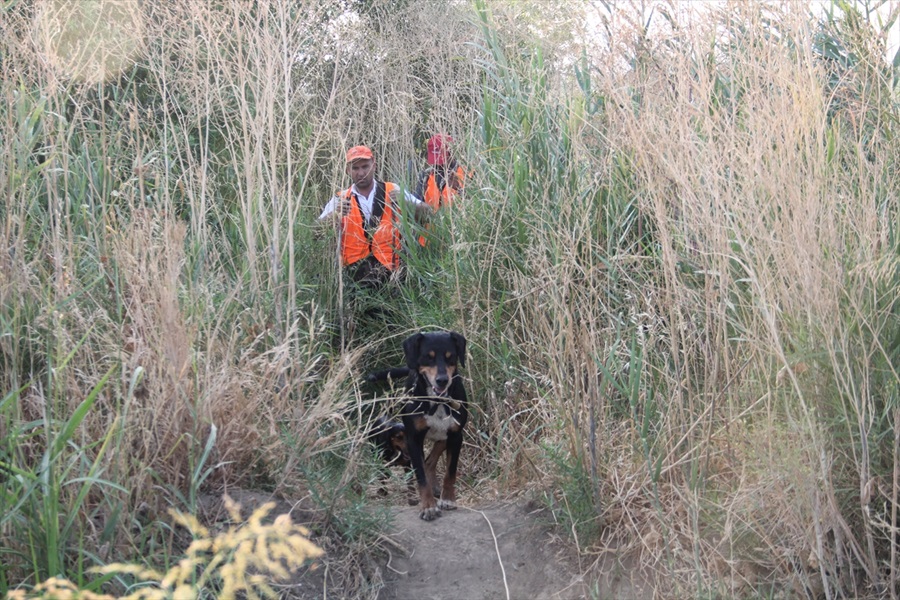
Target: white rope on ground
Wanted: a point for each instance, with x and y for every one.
(388, 565)
(496, 548)
(386, 539)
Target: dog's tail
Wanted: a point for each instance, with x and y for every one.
(388, 374)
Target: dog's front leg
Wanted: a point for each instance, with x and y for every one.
(448, 493)
(415, 443)
(431, 466)
(412, 494)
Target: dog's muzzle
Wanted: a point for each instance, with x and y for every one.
(440, 387)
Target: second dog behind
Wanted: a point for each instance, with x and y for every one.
(389, 438)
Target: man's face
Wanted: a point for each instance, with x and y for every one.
(362, 172)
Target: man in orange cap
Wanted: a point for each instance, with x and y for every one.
(443, 179)
(366, 216)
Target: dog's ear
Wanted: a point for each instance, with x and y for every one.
(411, 350)
(460, 342)
(377, 430)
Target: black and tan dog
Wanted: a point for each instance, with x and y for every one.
(389, 438)
(435, 411)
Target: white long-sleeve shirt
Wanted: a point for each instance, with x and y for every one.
(365, 202)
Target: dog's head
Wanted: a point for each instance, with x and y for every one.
(435, 356)
(390, 439)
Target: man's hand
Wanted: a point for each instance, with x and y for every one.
(343, 207)
(332, 220)
(423, 213)
(453, 180)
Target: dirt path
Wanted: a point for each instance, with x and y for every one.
(479, 554)
(496, 552)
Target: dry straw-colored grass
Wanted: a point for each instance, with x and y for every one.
(676, 282)
(772, 211)
(158, 219)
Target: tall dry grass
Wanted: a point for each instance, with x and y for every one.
(675, 263)
(704, 292)
(162, 169)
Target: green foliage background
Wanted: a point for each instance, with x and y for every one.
(676, 263)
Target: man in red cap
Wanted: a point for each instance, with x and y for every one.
(366, 216)
(443, 179)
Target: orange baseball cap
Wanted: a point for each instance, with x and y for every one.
(359, 153)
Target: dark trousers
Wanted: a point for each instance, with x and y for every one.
(370, 297)
(369, 273)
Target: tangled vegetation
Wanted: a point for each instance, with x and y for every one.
(676, 264)
(238, 562)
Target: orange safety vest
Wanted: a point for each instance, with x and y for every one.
(436, 198)
(383, 243)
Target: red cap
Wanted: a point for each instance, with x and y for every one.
(358, 153)
(438, 153)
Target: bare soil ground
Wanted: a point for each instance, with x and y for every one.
(492, 552)
(496, 550)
